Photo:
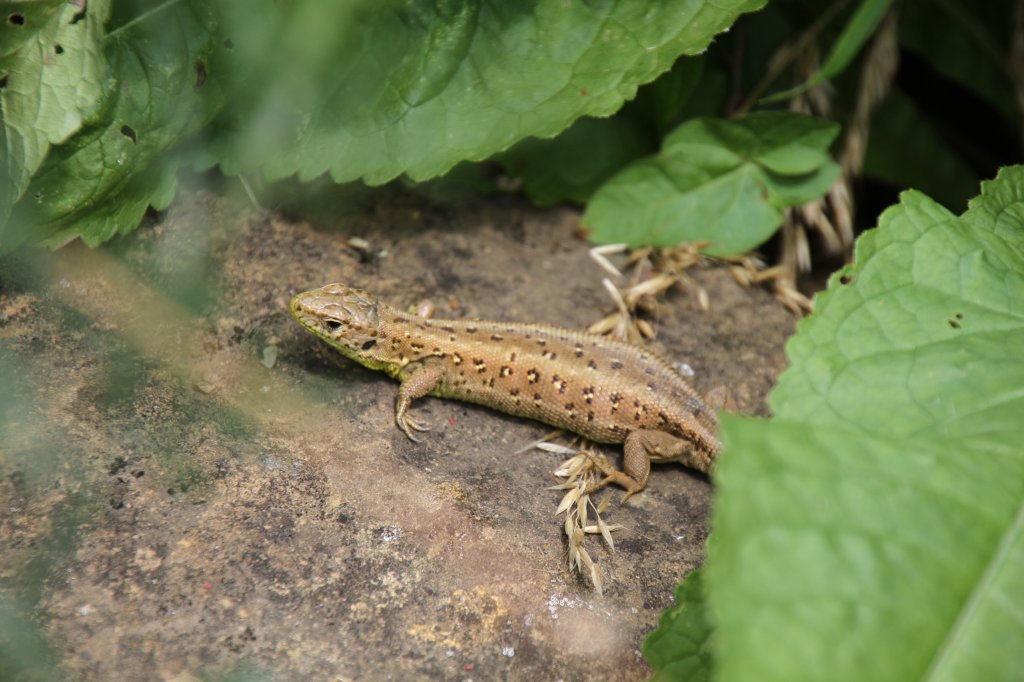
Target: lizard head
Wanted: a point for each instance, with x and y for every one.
(344, 317)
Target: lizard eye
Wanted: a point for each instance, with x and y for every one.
(332, 324)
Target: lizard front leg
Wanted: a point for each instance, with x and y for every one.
(418, 379)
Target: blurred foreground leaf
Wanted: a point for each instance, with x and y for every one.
(101, 181)
(372, 91)
(53, 71)
(364, 90)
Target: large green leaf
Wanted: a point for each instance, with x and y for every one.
(51, 75)
(725, 181)
(680, 649)
(573, 165)
(374, 90)
(162, 86)
(874, 529)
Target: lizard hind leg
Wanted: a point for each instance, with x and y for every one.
(636, 466)
(640, 449)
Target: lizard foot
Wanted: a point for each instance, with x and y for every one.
(408, 425)
(613, 475)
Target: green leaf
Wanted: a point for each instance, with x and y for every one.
(856, 32)
(680, 648)
(375, 90)
(573, 165)
(717, 180)
(53, 72)
(874, 529)
(162, 86)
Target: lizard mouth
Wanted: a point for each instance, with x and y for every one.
(300, 313)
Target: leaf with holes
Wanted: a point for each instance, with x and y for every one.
(52, 71)
(102, 180)
(874, 528)
(722, 181)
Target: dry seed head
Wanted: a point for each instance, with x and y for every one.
(702, 299)
(651, 287)
(606, 533)
(616, 296)
(598, 254)
(604, 325)
(597, 578)
(842, 213)
(569, 499)
(741, 275)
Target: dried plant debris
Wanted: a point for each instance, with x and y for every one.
(653, 272)
(583, 474)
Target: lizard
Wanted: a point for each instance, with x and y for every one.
(604, 390)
